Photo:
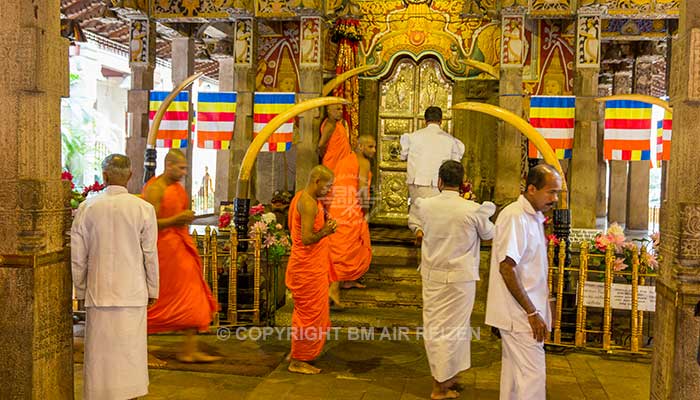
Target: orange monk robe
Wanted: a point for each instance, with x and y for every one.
(351, 250)
(338, 145)
(185, 301)
(308, 278)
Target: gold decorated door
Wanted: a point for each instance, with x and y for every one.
(403, 97)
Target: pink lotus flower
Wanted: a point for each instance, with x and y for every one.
(629, 246)
(258, 228)
(257, 210)
(655, 239)
(649, 260)
(224, 220)
(619, 264)
(601, 242)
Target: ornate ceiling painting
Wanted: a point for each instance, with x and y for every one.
(641, 7)
(554, 58)
(278, 55)
(625, 29)
(551, 8)
(420, 27)
(209, 9)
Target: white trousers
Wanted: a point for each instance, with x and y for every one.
(419, 192)
(447, 309)
(523, 369)
(116, 353)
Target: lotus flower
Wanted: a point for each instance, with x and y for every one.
(257, 210)
(619, 264)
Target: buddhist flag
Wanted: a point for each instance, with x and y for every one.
(553, 117)
(627, 130)
(267, 106)
(172, 131)
(659, 142)
(667, 130)
(216, 115)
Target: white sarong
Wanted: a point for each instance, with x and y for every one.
(523, 368)
(447, 309)
(116, 353)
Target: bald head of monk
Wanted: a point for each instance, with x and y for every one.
(334, 112)
(320, 181)
(175, 166)
(367, 146)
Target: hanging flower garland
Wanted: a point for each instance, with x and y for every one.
(346, 32)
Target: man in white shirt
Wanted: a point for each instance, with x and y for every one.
(452, 228)
(426, 149)
(115, 271)
(518, 296)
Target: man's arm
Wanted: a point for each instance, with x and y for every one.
(363, 184)
(515, 287)
(79, 254)
(149, 247)
(414, 219)
(154, 194)
(484, 227)
(307, 210)
(405, 142)
(327, 129)
(457, 150)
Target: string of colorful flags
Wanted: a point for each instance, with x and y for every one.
(627, 133)
(216, 117)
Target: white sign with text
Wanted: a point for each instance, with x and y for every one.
(620, 296)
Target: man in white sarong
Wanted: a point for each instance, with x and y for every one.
(115, 271)
(452, 228)
(518, 301)
(425, 150)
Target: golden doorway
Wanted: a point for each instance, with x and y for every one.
(404, 95)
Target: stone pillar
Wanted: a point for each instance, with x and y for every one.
(137, 130)
(601, 196)
(223, 157)
(675, 371)
(244, 84)
(311, 82)
(508, 148)
(142, 63)
(637, 217)
(35, 274)
(583, 185)
(617, 198)
(183, 66)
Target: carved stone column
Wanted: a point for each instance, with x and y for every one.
(183, 66)
(584, 162)
(311, 82)
(223, 157)
(675, 372)
(142, 64)
(35, 274)
(508, 147)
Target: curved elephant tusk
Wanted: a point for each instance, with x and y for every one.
(252, 153)
(153, 130)
(638, 97)
(335, 82)
(489, 69)
(526, 129)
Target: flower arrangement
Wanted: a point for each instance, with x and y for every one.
(624, 248)
(275, 239)
(346, 28)
(76, 196)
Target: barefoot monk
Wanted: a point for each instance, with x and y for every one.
(309, 271)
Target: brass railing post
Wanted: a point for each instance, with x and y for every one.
(205, 255)
(256, 280)
(607, 311)
(560, 292)
(233, 278)
(214, 266)
(634, 342)
(580, 340)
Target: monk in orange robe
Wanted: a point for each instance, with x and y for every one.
(308, 271)
(334, 143)
(185, 301)
(351, 249)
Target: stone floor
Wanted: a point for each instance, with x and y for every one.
(390, 369)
